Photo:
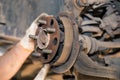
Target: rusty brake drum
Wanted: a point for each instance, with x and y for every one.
(48, 42)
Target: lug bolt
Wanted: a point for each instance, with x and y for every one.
(43, 22)
(50, 30)
(48, 51)
(36, 54)
(33, 37)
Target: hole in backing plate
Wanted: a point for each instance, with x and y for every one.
(55, 41)
(51, 22)
(40, 24)
(45, 56)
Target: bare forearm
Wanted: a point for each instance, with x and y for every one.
(12, 61)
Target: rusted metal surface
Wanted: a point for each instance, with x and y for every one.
(68, 29)
(84, 64)
(47, 42)
(48, 36)
(74, 50)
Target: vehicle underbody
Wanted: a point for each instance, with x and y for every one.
(82, 37)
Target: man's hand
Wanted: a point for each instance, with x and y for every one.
(12, 60)
(26, 42)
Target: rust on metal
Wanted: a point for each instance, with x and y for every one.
(47, 40)
(67, 42)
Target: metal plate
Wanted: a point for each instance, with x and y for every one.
(52, 41)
